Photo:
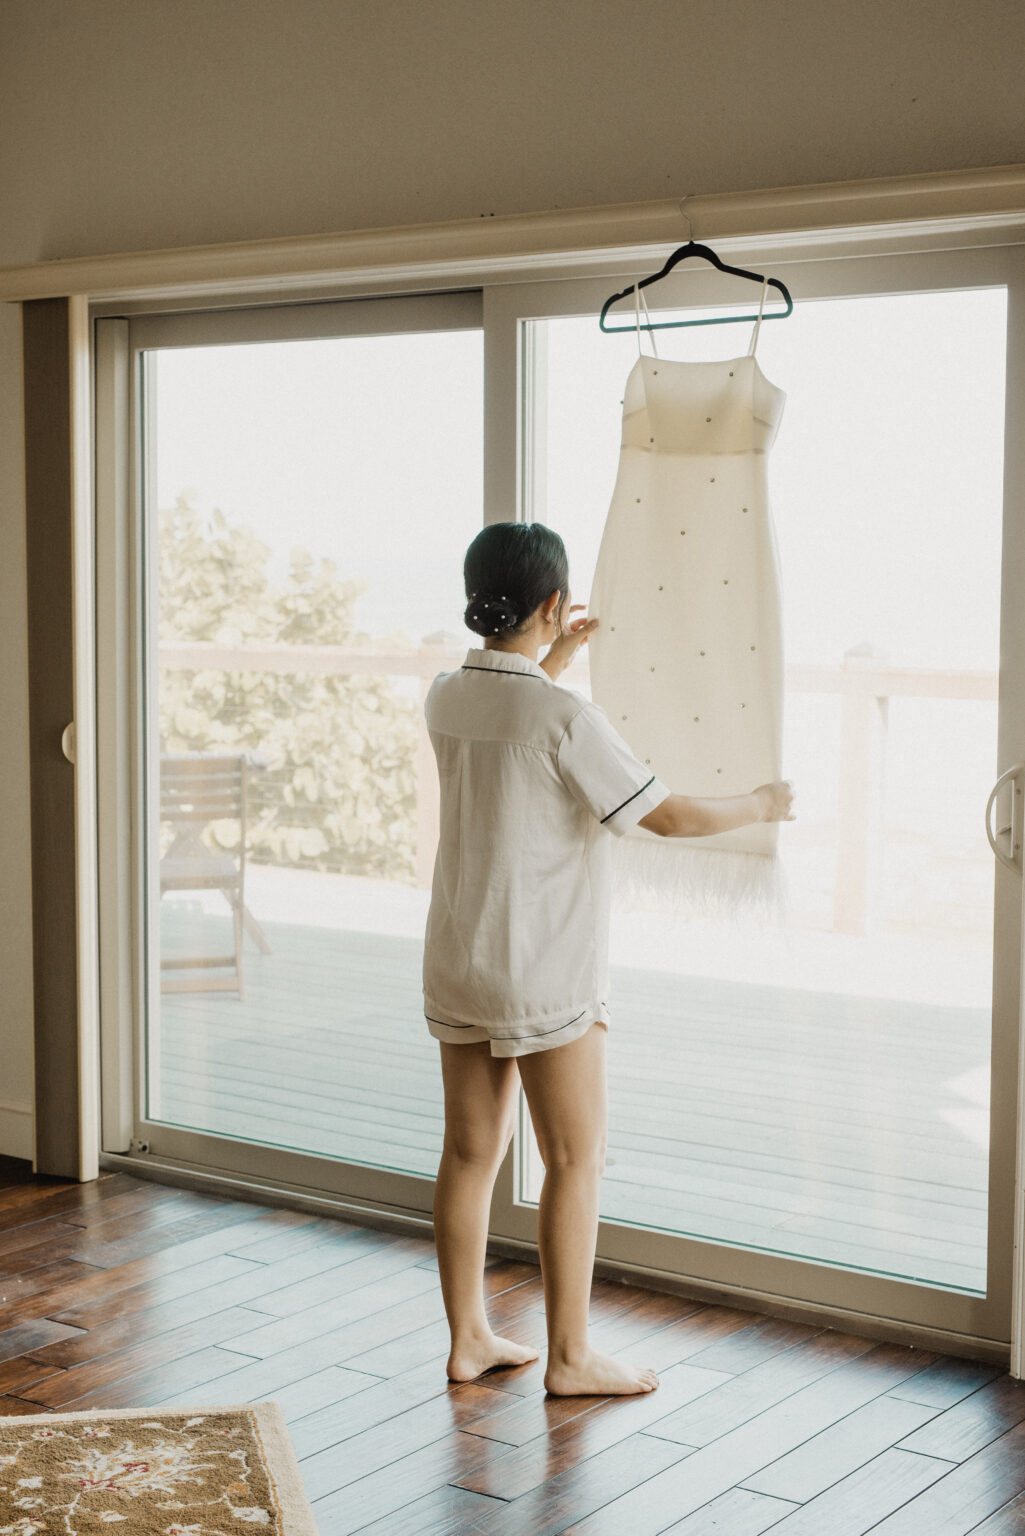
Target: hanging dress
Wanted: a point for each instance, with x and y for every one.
(687, 659)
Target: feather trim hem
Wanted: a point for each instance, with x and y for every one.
(676, 876)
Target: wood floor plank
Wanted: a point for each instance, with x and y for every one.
(190, 1374)
(742, 1397)
(696, 1337)
(1008, 1521)
(601, 1424)
(34, 1202)
(244, 1380)
(321, 1389)
(841, 1449)
(33, 1194)
(20, 1294)
(374, 1498)
(720, 1464)
(315, 1294)
(376, 1301)
(967, 1495)
(105, 1282)
(310, 1232)
(577, 1493)
(758, 1423)
(737, 1512)
(889, 1487)
(379, 1402)
(400, 1436)
(72, 1245)
(194, 1278)
(445, 1511)
(38, 1233)
(417, 1336)
(96, 1374)
(24, 1337)
(14, 1407)
(20, 1373)
(111, 1255)
(960, 1431)
(947, 1380)
(128, 1325)
(764, 1338)
(529, 1417)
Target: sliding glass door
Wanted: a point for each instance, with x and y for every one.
(807, 1110)
(822, 1114)
(308, 483)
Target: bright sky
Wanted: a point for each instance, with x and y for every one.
(885, 476)
(885, 483)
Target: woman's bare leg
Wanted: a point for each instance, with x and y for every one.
(480, 1106)
(567, 1098)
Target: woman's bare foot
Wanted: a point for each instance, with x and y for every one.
(468, 1359)
(597, 1373)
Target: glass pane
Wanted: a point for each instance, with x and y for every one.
(314, 501)
(823, 1092)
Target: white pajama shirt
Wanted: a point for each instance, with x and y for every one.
(534, 782)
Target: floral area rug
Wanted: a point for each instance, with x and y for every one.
(152, 1472)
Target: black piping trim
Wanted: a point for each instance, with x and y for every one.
(630, 797)
(507, 671)
(529, 1034)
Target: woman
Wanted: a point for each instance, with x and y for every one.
(533, 780)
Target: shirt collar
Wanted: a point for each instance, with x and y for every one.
(504, 661)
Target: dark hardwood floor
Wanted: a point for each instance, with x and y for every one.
(121, 1293)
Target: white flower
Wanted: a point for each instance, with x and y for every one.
(30, 1482)
(109, 1515)
(257, 1516)
(43, 1434)
(89, 1433)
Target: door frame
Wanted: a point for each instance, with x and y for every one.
(717, 1268)
(775, 1283)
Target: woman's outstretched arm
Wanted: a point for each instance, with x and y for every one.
(693, 816)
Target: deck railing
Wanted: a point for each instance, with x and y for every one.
(864, 682)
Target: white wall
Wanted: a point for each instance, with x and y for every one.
(139, 124)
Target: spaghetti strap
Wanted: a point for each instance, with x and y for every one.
(758, 322)
(639, 299)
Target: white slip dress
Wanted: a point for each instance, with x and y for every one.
(687, 659)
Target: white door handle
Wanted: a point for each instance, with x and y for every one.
(1010, 853)
(68, 742)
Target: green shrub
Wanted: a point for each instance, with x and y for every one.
(339, 791)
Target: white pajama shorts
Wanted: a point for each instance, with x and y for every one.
(518, 1037)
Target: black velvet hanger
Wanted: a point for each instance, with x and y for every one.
(693, 248)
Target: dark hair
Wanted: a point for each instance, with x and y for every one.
(509, 570)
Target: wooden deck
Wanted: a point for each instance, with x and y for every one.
(123, 1293)
(837, 1128)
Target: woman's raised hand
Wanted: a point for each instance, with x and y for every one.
(777, 800)
(563, 648)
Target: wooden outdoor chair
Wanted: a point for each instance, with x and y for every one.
(196, 789)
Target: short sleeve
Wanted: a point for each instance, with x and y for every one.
(601, 770)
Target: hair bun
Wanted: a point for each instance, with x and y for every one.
(491, 613)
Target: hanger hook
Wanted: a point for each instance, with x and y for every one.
(690, 226)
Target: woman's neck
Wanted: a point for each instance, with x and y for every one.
(524, 647)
